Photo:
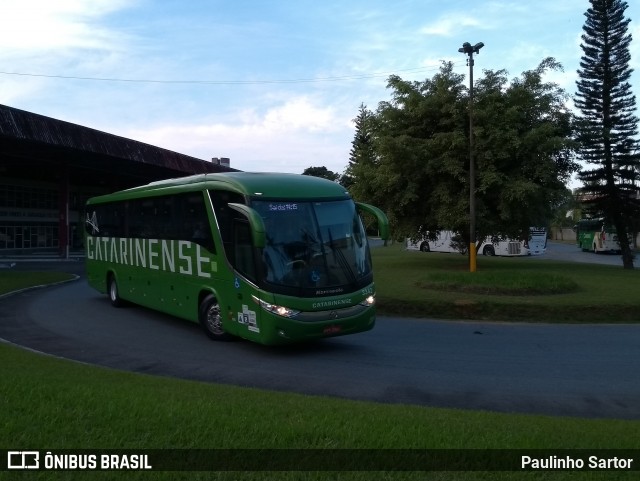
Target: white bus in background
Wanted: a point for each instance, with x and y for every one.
(448, 241)
(537, 240)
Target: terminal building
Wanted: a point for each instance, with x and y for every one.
(49, 168)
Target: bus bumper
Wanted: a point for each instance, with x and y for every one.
(278, 330)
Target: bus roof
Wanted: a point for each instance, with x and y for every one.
(252, 184)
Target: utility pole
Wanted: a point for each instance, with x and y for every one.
(470, 50)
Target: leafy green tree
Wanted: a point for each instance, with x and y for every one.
(322, 172)
(524, 150)
(421, 149)
(421, 173)
(608, 125)
(565, 213)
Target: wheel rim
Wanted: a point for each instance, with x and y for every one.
(213, 320)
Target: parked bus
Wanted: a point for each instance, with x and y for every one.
(537, 243)
(445, 241)
(448, 241)
(272, 258)
(504, 247)
(595, 236)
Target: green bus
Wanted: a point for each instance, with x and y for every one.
(272, 258)
(596, 236)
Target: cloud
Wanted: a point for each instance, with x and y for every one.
(450, 24)
(61, 37)
(298, 114)
(45, 25)
(288, 137)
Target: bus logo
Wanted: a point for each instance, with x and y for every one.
(93, 223)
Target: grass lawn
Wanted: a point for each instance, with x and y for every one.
(439, 285)
(15, 280)
(48, 403)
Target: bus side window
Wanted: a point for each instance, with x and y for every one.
(136, 218)
(109, 220)
(191, 215)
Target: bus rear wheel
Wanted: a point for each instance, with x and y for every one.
(114, 295)
(488, 251)
(210, 316)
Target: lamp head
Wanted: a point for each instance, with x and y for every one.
(466, 48)
(477, 47)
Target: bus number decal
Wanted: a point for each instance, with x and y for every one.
(248, 318)
(367, 291)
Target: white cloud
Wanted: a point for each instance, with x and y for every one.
(45, 25)
(448, 25)
(57, 38)
(298, 114)
(288, 137)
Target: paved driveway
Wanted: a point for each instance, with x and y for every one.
(576, 370)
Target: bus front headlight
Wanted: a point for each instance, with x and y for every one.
(279, 310)
(369, 301)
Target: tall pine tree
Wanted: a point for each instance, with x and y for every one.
(362, 150)
(608, 125)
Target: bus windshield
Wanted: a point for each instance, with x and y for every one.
(315, 246)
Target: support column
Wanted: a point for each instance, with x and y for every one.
(63, 212)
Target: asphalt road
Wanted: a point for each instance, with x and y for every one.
(570, 252)
(575, 370)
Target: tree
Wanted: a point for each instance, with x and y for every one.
(362, 149)
(418, 136)
(523, 150)
(565, 213)
(322, 172)
(608, 125)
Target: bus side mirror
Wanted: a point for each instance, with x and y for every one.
(258, 230)
(383, 222)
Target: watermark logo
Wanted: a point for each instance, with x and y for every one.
(23, 460)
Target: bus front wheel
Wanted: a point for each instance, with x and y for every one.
(211, 319)
(114, 295)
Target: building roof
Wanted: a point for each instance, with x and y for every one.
(32, 146)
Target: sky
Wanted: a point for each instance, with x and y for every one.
(273, 85)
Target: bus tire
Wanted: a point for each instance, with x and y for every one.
(112, 291)
(424, 247)
(210, 315)
(488, 251)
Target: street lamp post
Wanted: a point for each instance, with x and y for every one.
(469, 50)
